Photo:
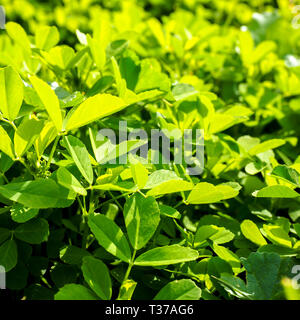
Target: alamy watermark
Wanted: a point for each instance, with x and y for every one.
(2, 278)
(296, 278)
(2, 17)
(178, 147)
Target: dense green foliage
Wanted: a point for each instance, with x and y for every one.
(75, 227)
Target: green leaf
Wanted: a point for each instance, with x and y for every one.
(157, 30)
(6, 145)
(234, 286)
(18, 34)
(11, 93)
(49, 100)
(228, 256)
(139, 174)
(100, 40)
(262, 50)
(67, 180)
(182, 91)
(46, 37)
(5, 162)
(60, 57)
(252, 233)
(221, 122)
(163, 256)
(262, 274)
(121, 83)
(265, 146)
(131, 97)
(38, 194)
(8, 255)
(26, 134)
(203, 233)
(276, 191)
(297, 228)
(110, 236)
(93, 109)
(277, 235)
(287, 174)
(80, 156)
(222, 236)
(246, 45)
(113, 187)
(171, 186)
(205, 192)
(21, 214)
(47, 135)
(96, 275)
(160, 176)
(227, 191)
(151, 78)
(73, 255)
(184, 289)
(110, 152)
(142, 217)
(97, 52)
(169, 211)
(75, 292)
(34, 232)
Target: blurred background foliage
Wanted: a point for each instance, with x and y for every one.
(244, 51)
(268, 19)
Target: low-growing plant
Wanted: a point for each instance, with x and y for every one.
(75, 226)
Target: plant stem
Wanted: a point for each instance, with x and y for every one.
(80, 204)
(9, 122)
(92, 203)
(179, 204)
(4, 177)
(84, 218)
(116, 201)
(112, 200)
(131, 264)
(185, 174)
(183, 274)
(52, 152)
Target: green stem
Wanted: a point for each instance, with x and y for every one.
(131, 264)
(80, 204)
(84, 207)
(85, 233)
(9, 122)
(116, 201)
(141, 193)
(4, 177)
(179, 204)
(52, 152)
(92, 203)
(112, 200)
(84, 218)
(177, 172)
(183, 274)
(185, 174)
